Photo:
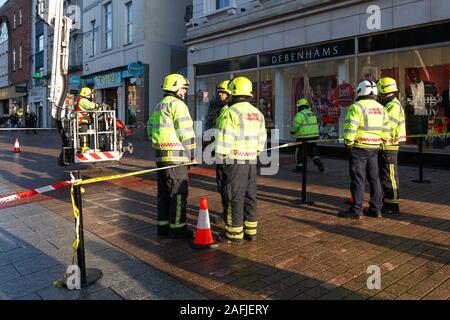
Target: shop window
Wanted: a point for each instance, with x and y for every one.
(329, 88)
(423, 80)
(207, 100)
(131, 117)
(266, 102)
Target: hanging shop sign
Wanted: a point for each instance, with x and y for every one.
(135, 69)
(75, 81)
(309, 53)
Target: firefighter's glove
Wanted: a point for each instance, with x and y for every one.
(348, 146)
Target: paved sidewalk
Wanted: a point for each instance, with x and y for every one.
(301, 252)
(35, 249)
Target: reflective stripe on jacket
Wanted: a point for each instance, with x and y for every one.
(171, 129)
(305, 125)
(84, 104)
(397, 124)
(241, 133)
(366, 125)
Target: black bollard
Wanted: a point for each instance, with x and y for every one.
(88, 276)
(305, 174)
(421, 180)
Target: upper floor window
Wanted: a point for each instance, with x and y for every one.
(213, 5)
(40, 44)
(108, 26)
(94, 38)
(3, 33)
(14, 57)
(222, 4)
(20, 17)
(14, 21)
(129, 14)
(20, 58)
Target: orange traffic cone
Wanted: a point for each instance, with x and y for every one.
(17, 146)
(203, 235)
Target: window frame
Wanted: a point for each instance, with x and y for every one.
(20, 57)
(129, 22)
(210, 7)
(14, 59)
(20, 16)
(94, 38)
(108, 31)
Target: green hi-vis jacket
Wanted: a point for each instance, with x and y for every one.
(220, 117)
(366, 125)
(172, 132)
(397, 124)
(241, 133)
(305, 125)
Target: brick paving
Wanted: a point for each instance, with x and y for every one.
(302, 252)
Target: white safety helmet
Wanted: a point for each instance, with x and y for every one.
(366, 88)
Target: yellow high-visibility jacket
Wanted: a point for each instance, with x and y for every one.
(366, 125)
(241, 133)
(305, 125)
(397, 124)
(172, 132)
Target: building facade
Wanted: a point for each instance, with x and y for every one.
(41, 55)
(320, 50)
(15, 64)
(128, 48)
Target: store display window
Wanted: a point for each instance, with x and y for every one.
(423, 80)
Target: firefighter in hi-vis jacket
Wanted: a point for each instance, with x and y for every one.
(173, 140)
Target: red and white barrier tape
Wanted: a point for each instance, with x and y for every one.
(30, 193)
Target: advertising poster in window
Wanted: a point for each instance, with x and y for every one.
(266, 103)
(319, 91)
(426, 93)
(393, 73)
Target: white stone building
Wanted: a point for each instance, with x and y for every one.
(129, 46)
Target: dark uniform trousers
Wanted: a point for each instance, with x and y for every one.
(312, 153)
(221, 181)
(172, 198)
(364, 163)
(237, 185)
(388, 163)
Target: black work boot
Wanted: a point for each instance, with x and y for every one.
(349, 214)
(250, 237)
(237, 242)
(298, 169)
(371, 212)
(390, 209)
(321, 167)
(163, 231)
(181, 233)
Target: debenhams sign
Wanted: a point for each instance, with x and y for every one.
(303, 54)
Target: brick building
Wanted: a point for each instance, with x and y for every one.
(15, 30)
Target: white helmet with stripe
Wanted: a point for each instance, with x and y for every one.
(367, 88)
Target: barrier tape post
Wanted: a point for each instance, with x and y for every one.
(305, 174)
(421, 180)
(88, 276)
